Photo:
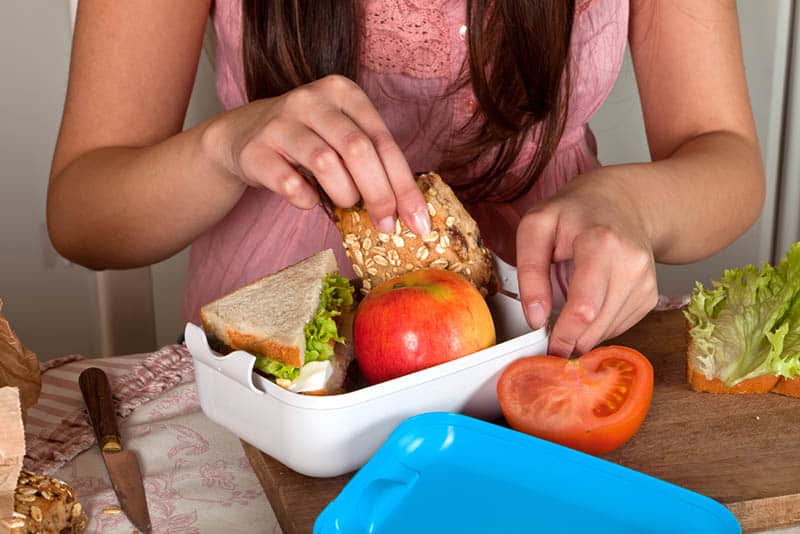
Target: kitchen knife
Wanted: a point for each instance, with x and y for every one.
(324, 200)
(122, 465)
(507, 278)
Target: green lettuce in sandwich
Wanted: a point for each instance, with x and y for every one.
(744, 332)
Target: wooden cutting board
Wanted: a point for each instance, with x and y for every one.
(742, 450)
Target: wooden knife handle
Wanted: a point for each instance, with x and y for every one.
(97, 396)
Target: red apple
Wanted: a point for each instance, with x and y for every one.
(417, 320)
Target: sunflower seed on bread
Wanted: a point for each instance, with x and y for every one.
(46, 505)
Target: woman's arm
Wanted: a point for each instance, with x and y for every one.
(704, 188)
(688, 61)
(128, 189)
(120, 172)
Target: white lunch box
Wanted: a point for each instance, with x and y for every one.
(326, 436)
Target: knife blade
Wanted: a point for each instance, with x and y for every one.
(325, 201)
(122, 464)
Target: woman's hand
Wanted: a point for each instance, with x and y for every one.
(703, 188)
(599, 227)
(331, 129)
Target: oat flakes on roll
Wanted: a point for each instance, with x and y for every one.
(454, 242)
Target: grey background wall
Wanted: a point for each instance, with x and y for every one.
(49, 302)
(55, 306)
(52, 304)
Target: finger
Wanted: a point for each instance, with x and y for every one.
(536, 235)
(608, 317)
(301, 146)
(362, 162)
(633, 316)
(409, 202)
(411, 206)
(641, 276)
(262, 167)
(585, 296)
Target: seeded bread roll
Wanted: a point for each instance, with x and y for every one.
(45, 505)
(454, 242)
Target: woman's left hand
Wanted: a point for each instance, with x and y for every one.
(595, 223)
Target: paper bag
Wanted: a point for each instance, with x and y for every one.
(19, 367)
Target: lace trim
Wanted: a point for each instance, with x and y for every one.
(406, 37)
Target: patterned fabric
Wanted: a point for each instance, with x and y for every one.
(57, 427)
(196, 476)
(413, 51)
(406, 37)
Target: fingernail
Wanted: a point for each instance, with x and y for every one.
(386, 225)
(536, 317)
(421, 222)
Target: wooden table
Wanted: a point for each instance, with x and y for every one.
(743, 451)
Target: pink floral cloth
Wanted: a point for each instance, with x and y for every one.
(57, 427)
(196, 476)
(412, 52)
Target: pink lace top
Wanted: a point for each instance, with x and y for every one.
(412, 52)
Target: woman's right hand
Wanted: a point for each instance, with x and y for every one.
(330, 128)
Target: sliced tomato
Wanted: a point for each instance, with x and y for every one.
(593, 403)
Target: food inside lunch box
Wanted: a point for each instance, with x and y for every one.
(423, 304)
(418, 320)
(418, 302)
(291, 322)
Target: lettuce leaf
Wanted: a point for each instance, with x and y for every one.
(336, 295)
(784, 359)
(741, 327)
(276, 368)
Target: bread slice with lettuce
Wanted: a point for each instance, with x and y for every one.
(295, 322)
(744, 332)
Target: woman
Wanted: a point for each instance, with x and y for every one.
(496, 96)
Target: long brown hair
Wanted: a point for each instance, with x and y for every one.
(518, 66)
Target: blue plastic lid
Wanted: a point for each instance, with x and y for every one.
(441, 472)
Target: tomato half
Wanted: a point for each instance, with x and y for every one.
(593, 403)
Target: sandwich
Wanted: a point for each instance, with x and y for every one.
(454, 242)
(744, 332)
(297, 322)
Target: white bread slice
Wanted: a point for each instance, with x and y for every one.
(267, 317)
